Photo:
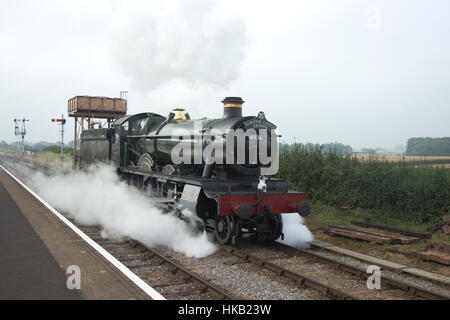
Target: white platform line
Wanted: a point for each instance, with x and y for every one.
(119, 265)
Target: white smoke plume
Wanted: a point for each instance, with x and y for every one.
(99, 197)
(296, 234)
(193, 41)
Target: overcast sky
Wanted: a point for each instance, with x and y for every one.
(365, 73)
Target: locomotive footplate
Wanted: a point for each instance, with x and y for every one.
(272, 203)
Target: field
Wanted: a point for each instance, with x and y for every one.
(397, 157)
(442, 162)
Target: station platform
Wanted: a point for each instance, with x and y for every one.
(37, 247)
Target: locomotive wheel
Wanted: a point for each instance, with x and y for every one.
(145, 162)
(225, 227)
(278, 227)
(149, 187)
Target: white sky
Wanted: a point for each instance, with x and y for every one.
(365, 72)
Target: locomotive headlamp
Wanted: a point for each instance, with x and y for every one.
(232, 107)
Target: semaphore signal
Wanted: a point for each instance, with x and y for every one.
(59, 120)
(20, 131)
(62, 122)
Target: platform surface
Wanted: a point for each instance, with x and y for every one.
(36, 249)
(28, 269)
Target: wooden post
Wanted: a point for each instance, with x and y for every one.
(75, 140)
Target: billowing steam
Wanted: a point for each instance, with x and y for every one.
(296, 234)
(192, 41)
(98, 197)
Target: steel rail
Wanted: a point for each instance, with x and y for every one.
(300, 279)
(29, 162)
(360, 272)
(207, 286)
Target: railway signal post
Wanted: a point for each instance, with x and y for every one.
(21, 131)
(62, 122)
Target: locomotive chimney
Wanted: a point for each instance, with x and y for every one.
(232, 107)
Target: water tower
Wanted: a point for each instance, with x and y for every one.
(90, 112)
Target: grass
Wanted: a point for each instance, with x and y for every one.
(326, 215)
(51, 158)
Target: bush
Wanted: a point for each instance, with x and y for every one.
(428, 147)
(415, 193)
(57, 149)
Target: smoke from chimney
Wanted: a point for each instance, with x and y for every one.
(192, 41)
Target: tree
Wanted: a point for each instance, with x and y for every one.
(428, 147)
(368, 151)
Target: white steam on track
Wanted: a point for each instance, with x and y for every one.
(296, 234)
(98, 197)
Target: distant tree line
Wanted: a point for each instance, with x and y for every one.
(336, 148)
(43, 146)
(428, 147)
(368, 151)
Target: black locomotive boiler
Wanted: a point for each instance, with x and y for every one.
(234, 194)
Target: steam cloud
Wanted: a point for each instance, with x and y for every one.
(98, 197)
(191, 41)
(296, 234)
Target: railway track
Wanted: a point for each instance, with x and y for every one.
(333, 278)
(169, 278)
(31, 164)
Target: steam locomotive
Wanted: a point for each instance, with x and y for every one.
(181, 163)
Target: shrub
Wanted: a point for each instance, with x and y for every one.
(418, 193)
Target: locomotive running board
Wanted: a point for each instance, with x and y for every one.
(158, 175)
(274, 185)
